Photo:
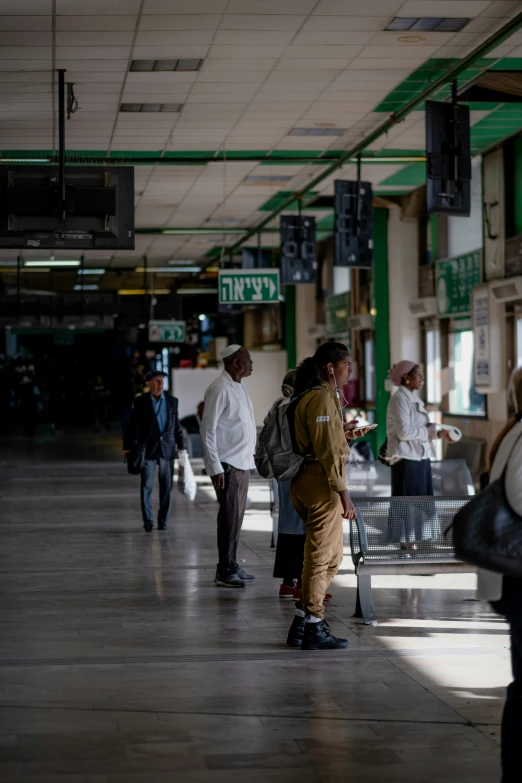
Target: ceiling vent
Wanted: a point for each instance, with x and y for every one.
(427, 24)
(317, 131)
(507, 290)
(425, 307)
(146, 108)
(148, 66)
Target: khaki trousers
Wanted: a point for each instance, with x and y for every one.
(320, 509)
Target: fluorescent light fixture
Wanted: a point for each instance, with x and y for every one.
(91, 271)
(53, 263)
(9, 263)
(147, 66)
(89, 287)
(142, 291)
(24, 160)
(151, 107)
(430, 24)
(168, 269)
(197, 291)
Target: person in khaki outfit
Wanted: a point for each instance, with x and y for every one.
(318, 492)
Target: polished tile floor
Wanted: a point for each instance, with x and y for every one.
(121, 662)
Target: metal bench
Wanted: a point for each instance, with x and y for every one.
(401, 535)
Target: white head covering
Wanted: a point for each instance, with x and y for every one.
(229, 350)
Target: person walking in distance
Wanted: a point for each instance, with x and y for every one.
(154, 422)
(228, 431)
(319, 491)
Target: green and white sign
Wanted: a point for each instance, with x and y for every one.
(167, 331)
(337, 313)
(249, 286)
(455, 280)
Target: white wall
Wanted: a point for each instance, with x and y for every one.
(264, 385)
(305, 318)
(403, 282)
(189, 386)
(465, 234)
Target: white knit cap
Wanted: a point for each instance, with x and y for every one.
(229, 350)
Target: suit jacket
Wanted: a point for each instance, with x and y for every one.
(142, 422)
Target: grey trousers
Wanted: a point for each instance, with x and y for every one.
(232, 504)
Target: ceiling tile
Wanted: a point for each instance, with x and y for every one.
(95, 39)
(37, 39)
(331, 37)
(404, 52)
(347, 8)
(445, 8)
(113, 23)
(215, 77)
(26, 8)
(181, 38)
(173, 21)
(26, 52)
(299, 7)
(185, 6)
(392, 38)
(261, 22)
(244, 64)
(95, 7)
(246, 51)
(92, 52)
(315, 52)
(351, 23)
(242, 37)
(318, 65)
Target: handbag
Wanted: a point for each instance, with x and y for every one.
(381, 455)
(136, 456)
(488, 533)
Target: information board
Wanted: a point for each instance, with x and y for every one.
(455, 280)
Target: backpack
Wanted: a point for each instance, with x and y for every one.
(276, 454)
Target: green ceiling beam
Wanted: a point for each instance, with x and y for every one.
(447, 77)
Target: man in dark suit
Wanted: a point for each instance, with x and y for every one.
(154, 421)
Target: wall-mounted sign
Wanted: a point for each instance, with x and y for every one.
(249, 286)
(337, 314)
(166, 331)
(456, 278)
(514, 256)
(482, 357)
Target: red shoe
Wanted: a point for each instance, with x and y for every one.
(286, 592)
(298, 593)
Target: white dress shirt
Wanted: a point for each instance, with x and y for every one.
(228, 427)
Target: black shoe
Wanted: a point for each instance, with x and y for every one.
(296, 632)
(148, 525)
(229, 580)
(317, 636)
(162, 527)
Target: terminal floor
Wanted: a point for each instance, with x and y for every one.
(121, 662)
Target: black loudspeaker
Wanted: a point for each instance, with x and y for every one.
(298, 252)
(353, 235)
(448, 159)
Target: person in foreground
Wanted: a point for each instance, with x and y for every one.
(154, 422)
(319, 492)
(228, 432)
(505, 592)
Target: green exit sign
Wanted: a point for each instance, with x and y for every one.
(167, 331)
(249, 286)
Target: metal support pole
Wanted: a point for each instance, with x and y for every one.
(61, 136)
(18, 279)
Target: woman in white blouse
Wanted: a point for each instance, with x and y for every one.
(409, 435)
(505, 593)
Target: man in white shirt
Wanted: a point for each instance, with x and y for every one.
(228, 431)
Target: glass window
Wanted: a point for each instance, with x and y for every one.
(369, 368)
(519, 341)
(463, 399)
(433, 367)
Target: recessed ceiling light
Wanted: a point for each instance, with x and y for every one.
(91, 271)
(148, 66)
(438, 24)
(52, 262)
(135, 108)
(412, 38)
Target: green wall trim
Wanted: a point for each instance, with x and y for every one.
(382, 319)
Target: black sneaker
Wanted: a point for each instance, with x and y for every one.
(162, 527)
(148, 525)
(230, 580)
(296, 632)
(317, 636)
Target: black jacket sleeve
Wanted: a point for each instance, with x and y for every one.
(178, 430)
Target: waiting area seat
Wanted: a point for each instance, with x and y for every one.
(401, 535)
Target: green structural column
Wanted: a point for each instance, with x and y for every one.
(517, 185)
(382, 318)
(289, 326)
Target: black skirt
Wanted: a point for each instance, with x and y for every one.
(412, 521)
(289, 556)
(409, 477)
